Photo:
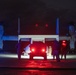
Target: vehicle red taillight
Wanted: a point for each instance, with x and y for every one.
(43, 50)
(33, 50)
(63, 43)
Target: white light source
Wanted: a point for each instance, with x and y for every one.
(37, 57)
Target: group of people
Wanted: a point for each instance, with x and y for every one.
(58, 50)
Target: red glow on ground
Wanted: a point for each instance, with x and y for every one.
(36, 25)
(46, 25)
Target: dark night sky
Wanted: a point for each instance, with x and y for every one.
(36, 11)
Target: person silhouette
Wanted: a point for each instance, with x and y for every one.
(55, 50)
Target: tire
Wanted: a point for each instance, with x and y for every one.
(45, 57)
(31, 57)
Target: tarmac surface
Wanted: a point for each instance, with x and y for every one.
(24, 63)
(10, 65)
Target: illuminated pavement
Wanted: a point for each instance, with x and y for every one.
(10, 65)
(11, 61)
